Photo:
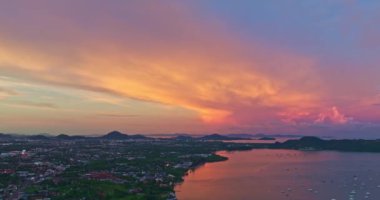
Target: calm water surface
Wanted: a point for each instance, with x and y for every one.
(257, 141)
(285, 174)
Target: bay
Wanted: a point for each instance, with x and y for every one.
(285, 174)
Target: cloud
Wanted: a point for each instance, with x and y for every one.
(156, 52)
(4, 93)
(330, 116)
(34, 104)
(116, 115)
(333, 116)
(295, 117)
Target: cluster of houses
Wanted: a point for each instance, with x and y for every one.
(39, 163)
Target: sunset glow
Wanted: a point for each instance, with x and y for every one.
(190, 66)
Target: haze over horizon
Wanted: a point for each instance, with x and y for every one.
(294, 67)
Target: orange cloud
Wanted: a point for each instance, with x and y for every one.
(160, 54)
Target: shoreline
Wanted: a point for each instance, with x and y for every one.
(195, 167)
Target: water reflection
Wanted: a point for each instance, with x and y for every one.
(258, 141)
(285, 174)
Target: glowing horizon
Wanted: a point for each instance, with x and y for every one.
(195, 67)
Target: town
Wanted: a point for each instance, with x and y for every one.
(40, 168)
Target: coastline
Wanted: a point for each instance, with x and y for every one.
(216, 158)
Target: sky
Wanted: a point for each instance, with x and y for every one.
(217, 66)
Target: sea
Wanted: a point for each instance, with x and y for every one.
(285, 175)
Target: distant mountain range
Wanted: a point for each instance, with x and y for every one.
(179, 136)
(68, 137)
(221, 137)
(262, 135)
(209, 137)
(114, 135)
(304, 143)
(241, 136)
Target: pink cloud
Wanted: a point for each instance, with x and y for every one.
(294, 117)
(313, 116)
(333, 116)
